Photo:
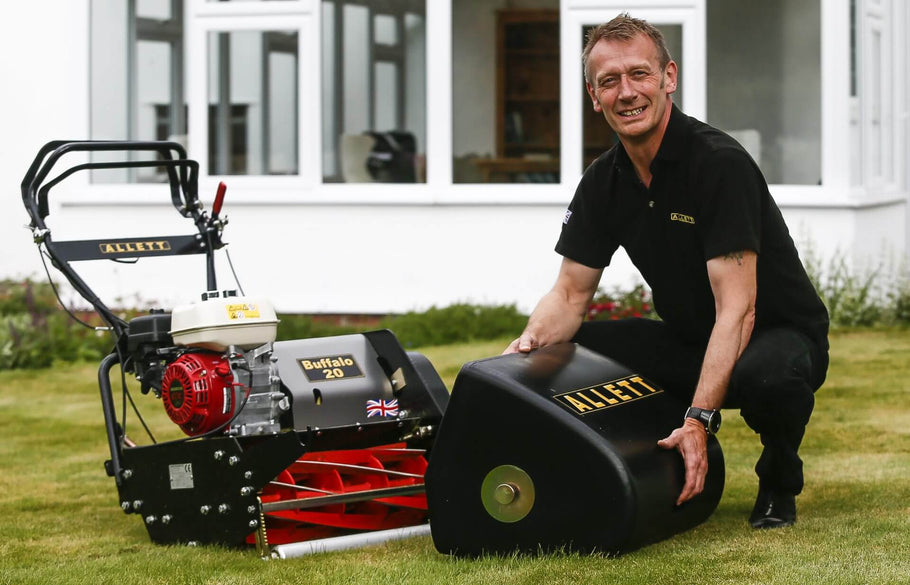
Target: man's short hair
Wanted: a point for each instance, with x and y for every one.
(625, 28)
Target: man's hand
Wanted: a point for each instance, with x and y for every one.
(559, 314)
(691, 440)
(523, 344)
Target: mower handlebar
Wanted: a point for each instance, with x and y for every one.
(182, 173)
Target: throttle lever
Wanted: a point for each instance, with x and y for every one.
(219, 200)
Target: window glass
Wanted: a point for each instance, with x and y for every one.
(136, 84)
(156, 9)
(764, 83)
(385, 30)
(252, 102)
(373, 90)
(506, 96)
(154, 62)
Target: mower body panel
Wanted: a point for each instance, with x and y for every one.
(333, 380)
(584, 431)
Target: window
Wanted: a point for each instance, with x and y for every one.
(373, 91)
(764, 83)
(506, 92)
(137, 76)
(878, 58)
(252, 97)
(138, 89)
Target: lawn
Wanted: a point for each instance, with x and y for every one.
(61, 523)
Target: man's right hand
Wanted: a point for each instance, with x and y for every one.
(523, 344)
(558, 315)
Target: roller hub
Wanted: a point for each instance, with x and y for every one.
(507, 493)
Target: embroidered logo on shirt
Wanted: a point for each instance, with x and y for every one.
(682, 217)
(565, 219)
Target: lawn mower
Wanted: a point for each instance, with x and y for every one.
(319, 444)
(285, 441)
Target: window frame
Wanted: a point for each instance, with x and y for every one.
(197, 64)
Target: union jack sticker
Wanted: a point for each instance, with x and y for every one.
(565, 219)
(383, 408)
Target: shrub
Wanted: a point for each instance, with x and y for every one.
(456, 323)
(293, 326)
(35, 331)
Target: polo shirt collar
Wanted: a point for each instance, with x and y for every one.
(672, 147)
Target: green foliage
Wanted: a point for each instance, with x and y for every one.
(455, 324)
(293, 326)
(900, 299)
(873, 296)
(35, 331)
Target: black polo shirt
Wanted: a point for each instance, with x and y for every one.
(707, 198)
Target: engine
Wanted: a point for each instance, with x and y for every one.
(216, 366)
(212, 364)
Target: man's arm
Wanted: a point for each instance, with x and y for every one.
(559, 314)
(733, 281)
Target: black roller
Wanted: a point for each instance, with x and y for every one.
(557, 450)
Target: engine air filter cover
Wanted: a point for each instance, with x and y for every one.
(217, 323)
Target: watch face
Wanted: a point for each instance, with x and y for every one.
(713, 422)
(709, 418)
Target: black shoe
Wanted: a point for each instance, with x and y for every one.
(773, 510)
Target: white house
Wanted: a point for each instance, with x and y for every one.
(487, 101)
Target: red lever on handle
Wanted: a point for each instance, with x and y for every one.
(219, 199)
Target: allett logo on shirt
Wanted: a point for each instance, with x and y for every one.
(682, 217)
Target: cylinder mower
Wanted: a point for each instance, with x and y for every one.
(288, 443)
(285, 441)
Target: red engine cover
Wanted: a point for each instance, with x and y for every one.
(197, 392)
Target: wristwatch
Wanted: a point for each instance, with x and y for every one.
(709, 418)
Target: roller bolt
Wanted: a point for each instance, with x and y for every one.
(247, 475)
(151, 519)
(205, 510)
(125, 506)
(166, 519)
(505, 493)
(223, 508)
(254, 523)
(137, 504)
(127, 473)
(233, 460)
(219, 455)
(251, 509)
(246, 490)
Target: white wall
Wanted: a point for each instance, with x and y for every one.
(45, 96)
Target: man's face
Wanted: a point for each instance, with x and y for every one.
(628, 86)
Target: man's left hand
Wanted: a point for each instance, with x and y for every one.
(691, 440)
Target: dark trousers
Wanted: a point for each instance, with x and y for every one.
(773, 383)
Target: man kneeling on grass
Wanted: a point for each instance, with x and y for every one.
(741, 324)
